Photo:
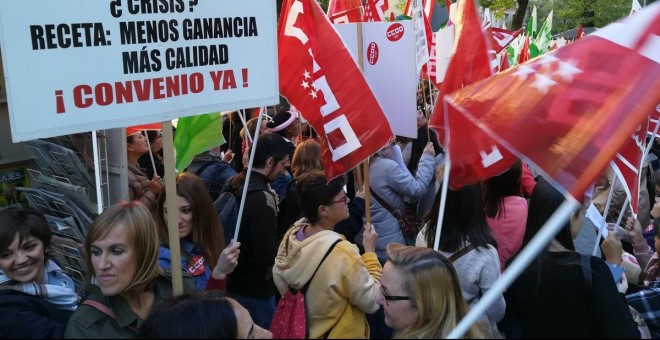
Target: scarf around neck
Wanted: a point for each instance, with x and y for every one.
(59, 289)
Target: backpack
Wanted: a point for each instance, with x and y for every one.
(228, 203)
(290, 319)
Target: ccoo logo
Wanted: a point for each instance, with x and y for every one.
(372, 53)
(394, 32)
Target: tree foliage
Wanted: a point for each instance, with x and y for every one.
(498, 7)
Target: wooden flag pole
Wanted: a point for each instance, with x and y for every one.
(172, 208)
(365, 164)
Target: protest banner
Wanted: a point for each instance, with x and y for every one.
(75, 66)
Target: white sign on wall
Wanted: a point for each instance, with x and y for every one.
(389, 68)
(78, 65)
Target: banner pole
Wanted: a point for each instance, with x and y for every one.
(605, 213)
(525, 257)
(151, 156)
(247, 176)
(97, 173)
(445, 182)
(172, 208)
(365, 164)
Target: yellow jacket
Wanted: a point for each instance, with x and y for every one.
(344, 288)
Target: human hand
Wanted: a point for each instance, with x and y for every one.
(633, 229)
(369, 238)
(655, 211)
(622, 286)
(611, 248)
(429, 150)
(227, 262)
(155, 185)
(229, 155)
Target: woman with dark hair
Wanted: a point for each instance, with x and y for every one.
(215, 317)
(344, 284)
(467, 240)
(36, 298)
(200, 232)
(561, 279)
(506, 211)
(140, 187)
(155, 138)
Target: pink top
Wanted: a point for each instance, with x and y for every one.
(509, 228)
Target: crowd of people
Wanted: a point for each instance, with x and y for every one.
(301, 232)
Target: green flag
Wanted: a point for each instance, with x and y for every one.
(531, 26)
(543, 38)
(195, 135)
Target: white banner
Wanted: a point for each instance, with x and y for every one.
(389, 68)
(421, 46)
(444, 47)
(78, 65)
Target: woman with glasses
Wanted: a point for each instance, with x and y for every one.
(344, 284)
(421, 295)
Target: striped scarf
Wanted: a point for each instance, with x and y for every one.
(58, 289)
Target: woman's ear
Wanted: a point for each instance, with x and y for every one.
(322, 211)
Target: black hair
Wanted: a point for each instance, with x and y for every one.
(464, 220)
(24, 222)
(270, 145)
(313, 191)
(418, 145)
(192, 316)
(544, 202)
(501, 186)
(656, 177)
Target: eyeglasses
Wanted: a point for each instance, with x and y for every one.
(392, 297)
(344, 199)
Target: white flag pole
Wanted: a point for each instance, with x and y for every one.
(605, 213)
(526, 256)
(247, 176)
(97, 173)
(151, 156)
(445, 182)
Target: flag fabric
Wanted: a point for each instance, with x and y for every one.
(374, 10)
(524, 52)
(137, 128)
(580, 103)
(580, 32)
(348, 16)
(473, 154)
(502, 38)
(338, 6)
(636, 7)
(544, 36)
(319, 77)
(196, 134)
(530, 31)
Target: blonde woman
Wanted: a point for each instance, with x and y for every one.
(121, 252)
(421, 295)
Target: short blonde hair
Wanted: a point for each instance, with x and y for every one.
(432, 284)
(140, 231)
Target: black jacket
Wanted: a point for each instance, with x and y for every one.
(24, 316)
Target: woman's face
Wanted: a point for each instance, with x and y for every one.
(24, 262)
(138, 144)
(399, 311)
(157, 144)
(185, 216)
(337, 210)
(113, 261)
(247, 329)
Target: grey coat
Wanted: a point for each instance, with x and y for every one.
(392, 183)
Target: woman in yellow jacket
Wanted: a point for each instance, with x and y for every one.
(346, 284)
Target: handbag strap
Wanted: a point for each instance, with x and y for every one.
(304, 288)
(457, 255)
(107, 311)
(384, 204)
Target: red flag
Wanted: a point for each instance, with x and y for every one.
(628, 164)
(319, 77)
(137, 128)
(580, 103)
(502, 38)
(504, 61)
(337, 6)
(580, 32)
(392, 17)
(374, 10)
(524, 52)
(351, 15)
